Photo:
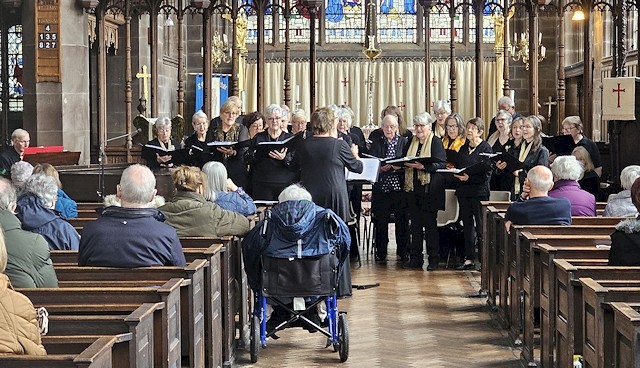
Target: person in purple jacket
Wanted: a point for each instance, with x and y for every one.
(534, 206)
(567, 170)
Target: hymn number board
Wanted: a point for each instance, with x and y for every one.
(48, 41)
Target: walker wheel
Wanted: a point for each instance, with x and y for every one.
(255, 339)
(343, 337)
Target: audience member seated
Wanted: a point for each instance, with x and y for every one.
(625, 241)
(19, 330)
(35, 211)
(566, 172)
(222, 191)
(29, 264)
(296, 228)
(620, 205)
(19, 140)
(192, 215)
(65, 206)
(20, 172)
(534, 206)
(132, 235)
(113, 200)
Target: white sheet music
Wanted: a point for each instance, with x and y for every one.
(370, 169)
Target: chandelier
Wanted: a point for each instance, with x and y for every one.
(520, 48)
(219, 50)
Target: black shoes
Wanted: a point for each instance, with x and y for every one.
(412, 265)
(432, 267)
(466, 266)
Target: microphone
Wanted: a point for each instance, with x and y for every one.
(132, 134)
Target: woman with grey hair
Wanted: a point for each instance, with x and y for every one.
(221, 190)
(271, 172)
(197, 142)
(163, 140)
(441, 109)
(567, 170)
(298, 121)
(35, 211)
(620, 205)
(20, 172)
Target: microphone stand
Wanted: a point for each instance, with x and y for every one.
(101, 158)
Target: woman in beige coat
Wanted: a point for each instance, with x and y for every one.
(19, 331)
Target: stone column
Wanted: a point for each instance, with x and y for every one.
(57, 113)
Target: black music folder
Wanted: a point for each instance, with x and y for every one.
(452, 157)
(560, 144)
(513, 163)
(411, 159)
(178, 157)
(264, 148)
(477, 168)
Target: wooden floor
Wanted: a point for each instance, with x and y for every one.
(413, 319)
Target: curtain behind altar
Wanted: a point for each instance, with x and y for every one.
(400, 83)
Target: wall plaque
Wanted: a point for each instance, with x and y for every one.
(48, 41)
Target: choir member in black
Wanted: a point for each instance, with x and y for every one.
(513, 145)
(163, 140)
(425, 189)
(298, 121)
(322, 159)
(254, 122)
(388, 195)
(199, 139)
(271, 172)
(456, 135)
(344, 116)
(229, 130)
(402, 125)
(499, 140)
(590, 180)
(472, 189)
(441, 110)
(531, 152)
(573, 125)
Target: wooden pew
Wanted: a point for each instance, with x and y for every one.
(138, 352)
(90, 300)
(564, 335)
(70, 352)
(597, 317)
(491, 241)
(192, 294)
(626, 336)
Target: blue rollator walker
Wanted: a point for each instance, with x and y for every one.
(308, 281)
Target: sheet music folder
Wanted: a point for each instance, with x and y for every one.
(178, 157)
(513, 163)
(266, 147)
(411, 159)
(477, 168)
(235, 145)
(370, 169)
(559, 144)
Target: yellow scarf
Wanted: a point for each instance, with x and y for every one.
(423, 176)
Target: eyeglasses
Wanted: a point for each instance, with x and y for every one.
(275, 118)
(452, 126)
(200, 124)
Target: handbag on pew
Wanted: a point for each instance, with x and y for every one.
(43, 320)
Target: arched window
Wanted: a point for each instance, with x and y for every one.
(14, 63)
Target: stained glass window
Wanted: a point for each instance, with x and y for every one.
(16, 91)
(252, 22)
(299, 25)
(397, 21)
(345, 21)
(440, 25)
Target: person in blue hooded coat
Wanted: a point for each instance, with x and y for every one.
(295, 220)
(35, 211)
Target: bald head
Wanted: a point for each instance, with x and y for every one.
(540, 180)
(137, 186)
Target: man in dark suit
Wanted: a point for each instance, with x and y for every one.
(534, 206)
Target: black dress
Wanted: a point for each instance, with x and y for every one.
(150, 156)
(322, 161)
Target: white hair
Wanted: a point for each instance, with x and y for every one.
(199, 115)
(7, 195)
(294, 192)
(629, 175)
(567, 167)
(20, 172)
(423, 118)
(44, 187)
(441, 105)
(274, 109)
(137, 184)
(163, 123)
(217, 176)
(506, 101)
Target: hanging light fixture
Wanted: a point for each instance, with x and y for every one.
(578, 15)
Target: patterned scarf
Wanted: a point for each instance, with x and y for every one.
(425, 151)
(391, 182)
(525, 148)
(233, 135)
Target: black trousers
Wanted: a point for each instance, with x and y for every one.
(383, 205)
(267, 191)
(471, 213)
(424, 226)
